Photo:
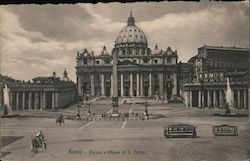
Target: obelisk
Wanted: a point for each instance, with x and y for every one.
(115, 85)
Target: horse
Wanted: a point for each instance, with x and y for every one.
(38, 143)
(60, 120)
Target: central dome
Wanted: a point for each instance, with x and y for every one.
(131, 34)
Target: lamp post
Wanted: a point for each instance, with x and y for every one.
(88, 104)
(146, 109)
(78, 110)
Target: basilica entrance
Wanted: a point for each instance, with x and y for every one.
(107, 91)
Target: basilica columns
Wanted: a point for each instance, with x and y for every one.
(160, 76)
(150, 85)
(131, 85)
(141, 85)
(122, 92)
(137, 85)
(102, 85)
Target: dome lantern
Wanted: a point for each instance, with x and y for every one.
(131, 20)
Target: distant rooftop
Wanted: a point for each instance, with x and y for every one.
(225, 48)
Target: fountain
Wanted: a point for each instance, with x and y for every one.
(6, 98)
(229, 104)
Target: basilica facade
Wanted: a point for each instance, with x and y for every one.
(142, 72)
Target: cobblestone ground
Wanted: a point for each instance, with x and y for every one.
(132, 140)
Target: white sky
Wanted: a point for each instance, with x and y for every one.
(39, 39)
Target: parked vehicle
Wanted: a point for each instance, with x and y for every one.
(225, 130)
(180, 130)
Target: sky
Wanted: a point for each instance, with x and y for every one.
(36, 40)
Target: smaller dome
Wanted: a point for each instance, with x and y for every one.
(156, 50)
(104, 51)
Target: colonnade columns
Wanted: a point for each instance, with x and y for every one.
(92, 85)
(30, 100)
(202, 98)
(191, 98)
(160, 75)
(23, 101)
(111, 81)
(245, 99)
(248, 104)
(137, 85)
(215, 101)
(17, 101)
(44, 100)
(56, 100)
(11, 101)
(150, 85)
(238, 99)
(53, 101)
(208, 98)
(199, 98)
(220, 99)
(141, 85)
(122, 92)
(36, 101)
(102, 85)
(187, 95)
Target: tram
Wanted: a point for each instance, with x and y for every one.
(180, 130)
(225, 130)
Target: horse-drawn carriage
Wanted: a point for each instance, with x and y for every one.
(38, 142)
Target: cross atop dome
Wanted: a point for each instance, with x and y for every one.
(131, 20)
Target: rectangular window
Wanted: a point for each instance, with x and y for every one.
(156, 61)
(97, 62)
(85, 61)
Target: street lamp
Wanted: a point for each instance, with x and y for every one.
(78, 110)
(146, 109)
(88, 104)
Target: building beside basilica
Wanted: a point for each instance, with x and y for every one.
(141, 71)
(42, 93)
(212, 66)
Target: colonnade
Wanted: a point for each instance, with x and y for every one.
(36, 100)
(215, 98)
